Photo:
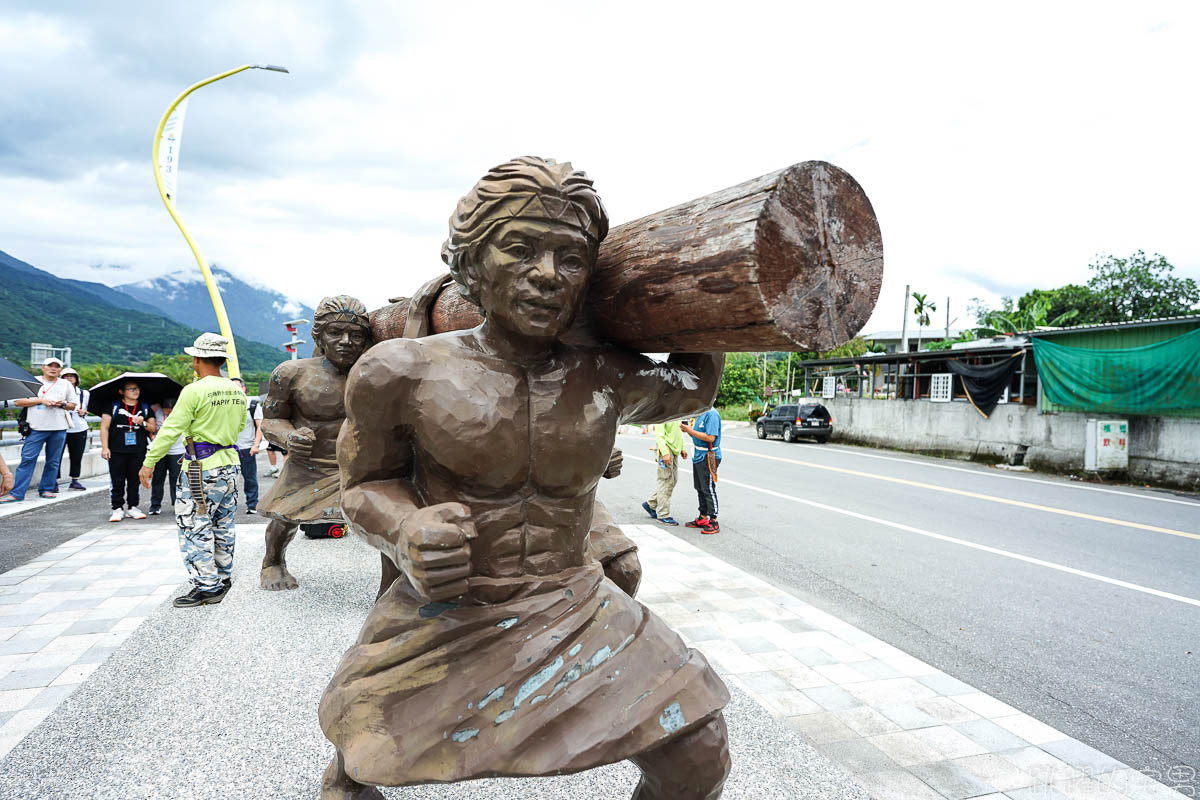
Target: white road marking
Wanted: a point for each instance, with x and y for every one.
(990, 474)
(953, 540)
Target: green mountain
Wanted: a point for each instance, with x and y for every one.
(98, 324)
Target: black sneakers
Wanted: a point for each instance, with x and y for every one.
(198, 597)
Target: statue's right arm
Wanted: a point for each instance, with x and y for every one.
(430, 544)
(277, 408)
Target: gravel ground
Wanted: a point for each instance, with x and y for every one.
(221, 702)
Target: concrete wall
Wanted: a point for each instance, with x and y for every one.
(1162, 450)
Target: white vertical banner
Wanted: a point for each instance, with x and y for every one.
(168, 151)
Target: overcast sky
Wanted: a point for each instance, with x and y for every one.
(1003, 146)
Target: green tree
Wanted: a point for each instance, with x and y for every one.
(1139, 287)
(91, 374)
(1014, 319)
(741, 381)
(922, 310)
(177, 367)
(1063, 300)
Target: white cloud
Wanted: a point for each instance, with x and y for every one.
(1002, 148)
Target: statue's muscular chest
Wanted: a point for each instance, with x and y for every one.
(319, 396)
(499, 429)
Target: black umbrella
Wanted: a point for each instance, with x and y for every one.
(13, 388)
(10, 370)
(155, 388)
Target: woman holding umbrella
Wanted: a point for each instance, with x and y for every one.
(126, 424)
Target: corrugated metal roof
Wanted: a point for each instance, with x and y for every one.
(1097, 326)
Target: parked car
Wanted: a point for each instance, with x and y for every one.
(796, 421)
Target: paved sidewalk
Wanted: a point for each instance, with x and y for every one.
(902, 728)
(100, 483)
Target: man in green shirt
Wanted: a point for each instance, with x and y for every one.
(211, 411)
(669, 448)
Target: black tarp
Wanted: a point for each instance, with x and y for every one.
(985, 385)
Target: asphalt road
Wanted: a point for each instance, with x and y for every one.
(1077, 604)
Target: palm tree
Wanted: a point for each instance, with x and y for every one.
(922, 309)
(999, 323)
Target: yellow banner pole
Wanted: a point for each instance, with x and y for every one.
(213, 291)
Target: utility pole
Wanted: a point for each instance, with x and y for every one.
(947, 317)
(904, 322)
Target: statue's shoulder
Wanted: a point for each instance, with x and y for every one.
(286, 372)
(390, 363)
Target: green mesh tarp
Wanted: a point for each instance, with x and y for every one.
(1161, 378)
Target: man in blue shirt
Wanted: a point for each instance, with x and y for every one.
(706, 457)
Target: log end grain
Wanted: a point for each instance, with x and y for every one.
(820, 256)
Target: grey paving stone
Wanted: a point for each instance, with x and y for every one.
(876, 670)
(797, 625)
(30, 678)
(896, 784)
(765, 682)
(822, 728)
(756, 644)
(857, 755)
(1036, 793)
(832, 698)
(81, 603)
(13, 599)
(813, 656)
(1079, 755)
(20, 621)
(988, 734)
(908, 716)
(951, 780)
(16, 646)
(944, 684)
(91, 626)
(700, 633)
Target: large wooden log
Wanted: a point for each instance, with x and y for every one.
(792, 260)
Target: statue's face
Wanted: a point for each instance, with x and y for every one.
(343, 343)
(532, 277)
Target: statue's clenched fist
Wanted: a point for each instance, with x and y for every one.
(434, 550)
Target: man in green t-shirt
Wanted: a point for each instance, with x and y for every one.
(211, 411)
(669, 447)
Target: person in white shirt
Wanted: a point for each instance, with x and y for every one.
(170, 465)
(50, 417)
(77, 435)
(248, 444)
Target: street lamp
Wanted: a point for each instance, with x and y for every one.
(166, 171)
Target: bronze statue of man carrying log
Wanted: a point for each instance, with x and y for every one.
(470, 459)
(303, 413)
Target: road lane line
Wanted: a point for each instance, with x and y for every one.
(953, 540)
(977, 495)
(991, 474)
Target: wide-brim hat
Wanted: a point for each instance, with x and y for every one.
(209, 345)
(68, 371)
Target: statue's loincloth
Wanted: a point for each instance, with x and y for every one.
(566, 674)
(307, 490)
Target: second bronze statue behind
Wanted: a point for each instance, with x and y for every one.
(303, 414)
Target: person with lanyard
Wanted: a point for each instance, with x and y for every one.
(209, 414)
(49, 416)
(171, 463)
(77, 434)
(706, 457)
(124, 436)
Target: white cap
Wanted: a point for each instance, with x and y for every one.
(52, 360)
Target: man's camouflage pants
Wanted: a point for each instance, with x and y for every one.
(206, 540)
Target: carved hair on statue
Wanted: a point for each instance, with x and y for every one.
(340, 308)
(528, 187)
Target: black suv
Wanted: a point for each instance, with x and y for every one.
(808, 420)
